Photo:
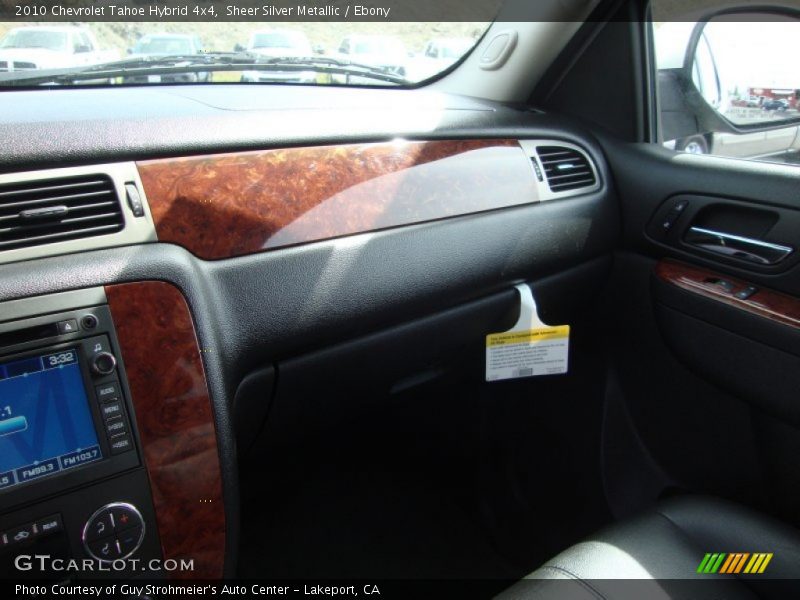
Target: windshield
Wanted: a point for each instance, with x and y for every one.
(455, 49)
(164, 46)
(303, 52)
(378, 45)
(35, 38)
(277, 40)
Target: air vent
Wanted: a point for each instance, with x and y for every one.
(565, 169)
(55, 210)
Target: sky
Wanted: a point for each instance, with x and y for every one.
(756, 54)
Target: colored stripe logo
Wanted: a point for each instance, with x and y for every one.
(735, 562)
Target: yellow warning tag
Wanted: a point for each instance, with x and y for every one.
(528, 349)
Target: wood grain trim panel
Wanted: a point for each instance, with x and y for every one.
(225, 205)
(175, 421)
(766, 303)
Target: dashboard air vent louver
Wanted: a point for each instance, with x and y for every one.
(55, 210)
(565, 168)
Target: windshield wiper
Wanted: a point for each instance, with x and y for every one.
(218, 61)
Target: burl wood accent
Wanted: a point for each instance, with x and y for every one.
(764, 303)
(226, 205)
(175, 421)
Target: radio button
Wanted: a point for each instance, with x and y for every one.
(49, 525)
(96, 345)
(104, 363)
(111, 409)
(120, 443)
(68, 326)
(107, 391)
(88, 322)
(115, 425)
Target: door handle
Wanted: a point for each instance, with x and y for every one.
(736, 246)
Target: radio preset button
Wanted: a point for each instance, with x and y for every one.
(104, 363)
(7, 479)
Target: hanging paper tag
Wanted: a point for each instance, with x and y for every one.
(528, 349)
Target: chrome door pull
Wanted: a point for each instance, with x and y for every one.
(736, 246)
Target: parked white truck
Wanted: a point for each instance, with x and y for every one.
(51, 47)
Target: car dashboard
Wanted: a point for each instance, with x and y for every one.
(178, 245)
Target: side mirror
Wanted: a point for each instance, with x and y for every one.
(238, 48)
(734, 72)
(129, 50)
(319, 49)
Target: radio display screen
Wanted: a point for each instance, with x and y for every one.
(46, 425)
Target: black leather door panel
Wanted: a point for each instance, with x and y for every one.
(726, 326)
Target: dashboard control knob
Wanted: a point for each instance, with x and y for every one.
(104, 363)
(88, 322)
(114, 531)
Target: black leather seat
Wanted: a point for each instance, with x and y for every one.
(656, 555)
